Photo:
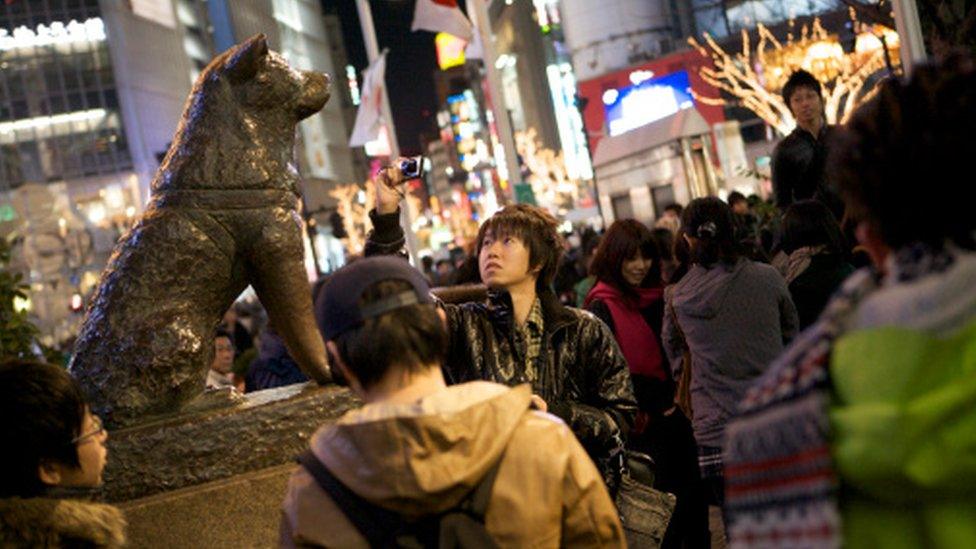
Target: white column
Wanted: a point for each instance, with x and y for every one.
(478, 13)
(909, 34)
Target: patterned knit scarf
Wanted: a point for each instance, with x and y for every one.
(781, 485)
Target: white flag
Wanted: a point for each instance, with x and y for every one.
(369, 117)
(474, 50)
(441, 16)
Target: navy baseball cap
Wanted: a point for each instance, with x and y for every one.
(337, 307)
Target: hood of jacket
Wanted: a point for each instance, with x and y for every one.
(702, 292)
(424, 457)
(45, 522)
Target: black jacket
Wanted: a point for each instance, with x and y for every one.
(816, 284)
(799, 170)
(582, 375)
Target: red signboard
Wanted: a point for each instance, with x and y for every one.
(594, 116)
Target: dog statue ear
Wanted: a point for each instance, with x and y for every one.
(243, 65)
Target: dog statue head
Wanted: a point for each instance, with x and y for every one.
(238, 126)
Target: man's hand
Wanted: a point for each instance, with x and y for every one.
(389, 183)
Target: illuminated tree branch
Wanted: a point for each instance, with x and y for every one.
(753, 78)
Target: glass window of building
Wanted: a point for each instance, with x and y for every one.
(59, 116)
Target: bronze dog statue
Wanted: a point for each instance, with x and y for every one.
(223, 214)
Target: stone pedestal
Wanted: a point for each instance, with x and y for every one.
(218, 475)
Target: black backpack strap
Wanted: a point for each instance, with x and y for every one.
(376, 524)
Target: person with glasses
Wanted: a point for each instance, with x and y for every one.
(52, 463)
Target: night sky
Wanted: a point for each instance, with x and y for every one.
(409, 66)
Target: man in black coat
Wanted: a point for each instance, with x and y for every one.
(522, 334)
(799, 160)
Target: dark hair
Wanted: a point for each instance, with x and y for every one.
(427, 262)
(678, 209)
(410, 337)
(682, 256)
(44, 409)
(810, 223)
(800, 79)
(536, 228)
(622, 241)
(709, 220)
(735, 197)
(665, 242)
(222, 332)
(911, 132)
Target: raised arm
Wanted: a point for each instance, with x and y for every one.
(387, 236)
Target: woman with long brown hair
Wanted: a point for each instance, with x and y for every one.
(629, 297)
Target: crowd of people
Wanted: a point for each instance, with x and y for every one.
(819, 391)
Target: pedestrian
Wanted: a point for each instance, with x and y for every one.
(628, 298)
(816, 263)
(273, 367)
(746, 227)
(665, 239)
(522, 334)
(670, 218)
(733, 316)
(861, 434)
(582, 288)
(220, 375)
(799, 160)
(426, 461)
(52, 462)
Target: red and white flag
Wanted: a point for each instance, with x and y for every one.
(369, 117)
(441, 16)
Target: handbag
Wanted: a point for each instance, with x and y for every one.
(682, 395)
(644, 512)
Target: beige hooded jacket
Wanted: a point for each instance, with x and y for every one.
(423, 458)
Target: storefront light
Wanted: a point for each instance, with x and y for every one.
(22, 304)
(92, 30)
(636, 77)
(48, 121)
(505, 60)
(353, 84)
(96, 213)
(114, 198)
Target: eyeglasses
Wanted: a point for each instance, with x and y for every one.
(97, 430)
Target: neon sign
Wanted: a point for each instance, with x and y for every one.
(450, 50)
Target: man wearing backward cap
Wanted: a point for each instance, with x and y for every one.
(419, 448)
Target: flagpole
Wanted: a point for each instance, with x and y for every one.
(373, 52)
(478, 13)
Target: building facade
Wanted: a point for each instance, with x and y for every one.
(90, 92)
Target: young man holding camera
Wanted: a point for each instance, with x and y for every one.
(522, 334)
(411, 461)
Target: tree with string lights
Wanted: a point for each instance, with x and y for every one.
(753, 77)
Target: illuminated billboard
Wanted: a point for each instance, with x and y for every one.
(450, 50)
(647, 101)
